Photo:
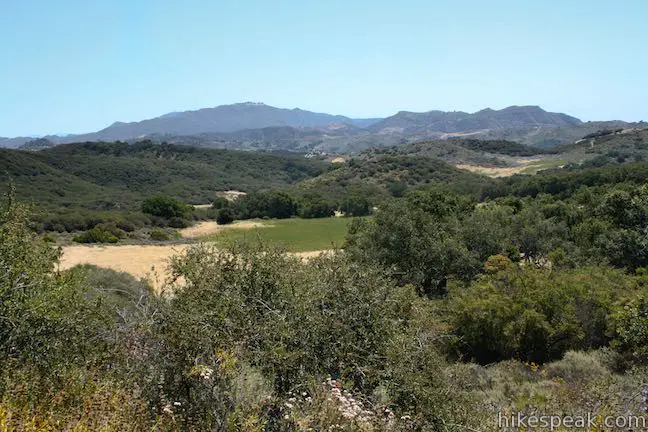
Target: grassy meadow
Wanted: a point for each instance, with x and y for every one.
(295, 234)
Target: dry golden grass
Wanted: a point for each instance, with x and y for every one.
(203, 229)
(492, 171)
(201, 206)
(146, 261)
(142, 261)
(151, 261)
(522, 167)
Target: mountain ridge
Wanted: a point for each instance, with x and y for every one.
(462, 122)
(223, 119)
(257, 126)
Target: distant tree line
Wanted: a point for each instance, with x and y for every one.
(282, 205)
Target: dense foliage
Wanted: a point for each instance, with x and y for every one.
(378, 178)
(566, 182)
(460, 150)
(254, 339)
(164, 207)
(120, 175)
(457, 299)
(246, 333)
(536, 315)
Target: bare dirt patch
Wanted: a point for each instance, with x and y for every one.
(231, 195)
(203, 229)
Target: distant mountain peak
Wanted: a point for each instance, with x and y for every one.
(222, 119)
(117, 124)
(171, 114)
(523, 108)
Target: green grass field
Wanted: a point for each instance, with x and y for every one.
(295, 235)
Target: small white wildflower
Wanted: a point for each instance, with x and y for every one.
(206, 373)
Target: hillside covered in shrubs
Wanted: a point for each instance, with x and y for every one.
(107, 176)
(443, 310)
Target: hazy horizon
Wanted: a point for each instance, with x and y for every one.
(73, 67)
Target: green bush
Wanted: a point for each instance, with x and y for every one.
(67, 220)
(309, 209)
(578, 366)
(126, 226)
(47, 238)
(417, 239)
(536, 314)
(262, 308)
(178, 222)
(121, 291)
(225, 216)
(165, 207)
(101, 233)
(397, 189)
(51, 323)
(220, 203)
(356, 206)
(159, 235)
(273, 204)
(95, 235)
(631, 330)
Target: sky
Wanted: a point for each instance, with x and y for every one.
(75, 66)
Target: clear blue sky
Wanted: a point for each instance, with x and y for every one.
(77, 65)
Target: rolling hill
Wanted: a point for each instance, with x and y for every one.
(465, 151)
(121, 175)
(378, 176)
(608, 147)
(547, 137)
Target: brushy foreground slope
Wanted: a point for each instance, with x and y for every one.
(425, 324)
